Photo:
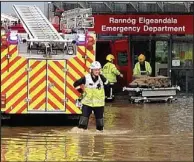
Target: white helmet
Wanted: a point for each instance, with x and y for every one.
(95, 65)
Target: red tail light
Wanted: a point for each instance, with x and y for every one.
(3, 100)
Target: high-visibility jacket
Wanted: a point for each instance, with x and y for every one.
(110, 72)
(137, 69)
(94, 95)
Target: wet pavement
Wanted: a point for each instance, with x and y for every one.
(144, 132)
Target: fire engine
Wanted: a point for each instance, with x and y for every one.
(39, 67)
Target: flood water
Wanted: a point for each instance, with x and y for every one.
(145, 132)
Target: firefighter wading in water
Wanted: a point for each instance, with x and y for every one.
(111, 72)
(93, 96)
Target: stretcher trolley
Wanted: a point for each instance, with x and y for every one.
(150, 94)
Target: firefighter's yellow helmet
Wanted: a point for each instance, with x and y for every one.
(110, 57)
(141, 58)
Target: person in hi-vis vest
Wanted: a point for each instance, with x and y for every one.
(142, 67)
(93, 96)
(110, 72)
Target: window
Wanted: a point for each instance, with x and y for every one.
(122, 58)
(162, 52)
(184, 53)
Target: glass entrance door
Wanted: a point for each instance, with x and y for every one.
(161, 58)
(182, 66)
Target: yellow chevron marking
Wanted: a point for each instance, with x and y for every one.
(13, 78)
(37, 90)
(4, 64)
(4, 52)
(39, 87)
(16, 86)
(40, 75)
(88, 53)
(72, 94)
(73, 106)
(16, 64)
(60, 104)
(11, 47)
(59, 72)
(17, 97)
(13, 89)
(67, 111)
(39, 99)
(69, 80)
(18, 107)
(78, 66)
(73, 73)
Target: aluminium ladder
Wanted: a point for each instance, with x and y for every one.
(36, 24)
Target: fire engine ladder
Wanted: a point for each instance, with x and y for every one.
(37, 25)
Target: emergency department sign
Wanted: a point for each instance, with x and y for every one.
(143, 24)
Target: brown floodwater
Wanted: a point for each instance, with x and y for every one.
(144, 132)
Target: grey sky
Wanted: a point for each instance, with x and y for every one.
(6, 7)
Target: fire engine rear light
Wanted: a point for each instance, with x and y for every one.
(3, 100)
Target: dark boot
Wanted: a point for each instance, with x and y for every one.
(100, 124)
(83, 122)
